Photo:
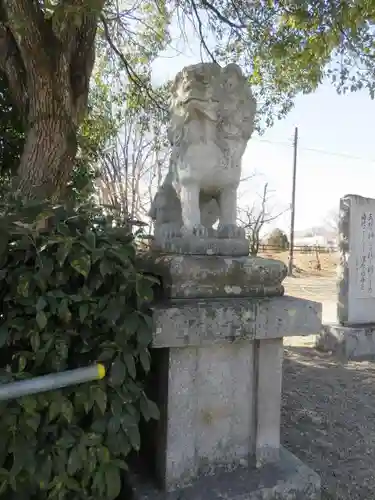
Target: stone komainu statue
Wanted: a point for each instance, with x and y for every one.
(212, 118)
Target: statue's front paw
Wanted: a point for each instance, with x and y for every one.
(168, 231)
(231, 231)
(198, 230)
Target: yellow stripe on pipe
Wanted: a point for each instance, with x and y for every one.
(101, 371)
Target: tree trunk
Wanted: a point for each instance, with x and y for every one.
(48, 61)
(48, 159)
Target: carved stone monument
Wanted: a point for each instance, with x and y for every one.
(353, 336)
(212, 119)
(217, 346)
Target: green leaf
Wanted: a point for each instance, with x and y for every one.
(107, 354)
(67, 410)
(99, 483)
(72, 484)
(74, 461)
(100, 397)
(150, 409)
(64, 311)
(83, 312)
(91, 239)
(130, 365)
(41, 304)
(33, 421)
(22, 362)
(54, 410)
(144, 357)
(63, 250)
(120, 464)
(41, 320)
(113, 481)
(104, 455)
(118, 372)
(4, 335)
(35, 341)
(144, 334)
(23, 286)
(143, 288)
(132, 323)
(44, 472)
(92, 439)
(134, 436)
(114, 424)
(82, 264)
(106, 267)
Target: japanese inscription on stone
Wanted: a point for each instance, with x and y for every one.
(365, 258)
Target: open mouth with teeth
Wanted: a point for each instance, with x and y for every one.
(206, 107)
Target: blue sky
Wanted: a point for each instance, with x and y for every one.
(342, 126)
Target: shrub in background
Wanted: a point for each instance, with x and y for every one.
(71, 294)
(278, 240)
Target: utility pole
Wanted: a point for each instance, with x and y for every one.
(293, 206)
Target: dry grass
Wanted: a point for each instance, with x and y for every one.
(306, 263)
(328, 421)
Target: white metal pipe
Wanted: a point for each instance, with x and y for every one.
(51, 382)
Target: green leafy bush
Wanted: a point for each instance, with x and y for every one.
(71, 294)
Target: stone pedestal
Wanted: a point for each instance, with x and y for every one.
(195, 245)
(199, 276)
(347, 342)
(353, 337)
(218, 373)
(288, 479)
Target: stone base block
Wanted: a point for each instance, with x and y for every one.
(195, 245)
(204, 322)
(195, 276)
(347, 342)
(287, 479)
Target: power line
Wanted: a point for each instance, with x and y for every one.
(319, 151)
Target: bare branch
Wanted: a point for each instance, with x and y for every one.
(200, 31)
(253, 220)
(132, 75)
(207, 5)
(129, 172)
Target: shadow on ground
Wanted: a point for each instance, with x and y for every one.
(328, 420)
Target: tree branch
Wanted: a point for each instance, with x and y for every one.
(132, 75)
(26, 20)
(70, 20)
(200, 31)
(11, 64)
(82, 62)
(207, 5)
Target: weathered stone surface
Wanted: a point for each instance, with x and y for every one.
(269, 356)
(347, 342)
(221, 386)
(195, 245)
(189, 322)
(212, 118)
(197, 276)
(210, 394)
(287, 479)
(356, 282)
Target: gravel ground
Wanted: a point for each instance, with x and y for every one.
(328, 420)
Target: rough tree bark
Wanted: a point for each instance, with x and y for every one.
(48, 60)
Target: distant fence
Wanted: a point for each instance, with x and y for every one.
(298, 248)
(264, 248)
